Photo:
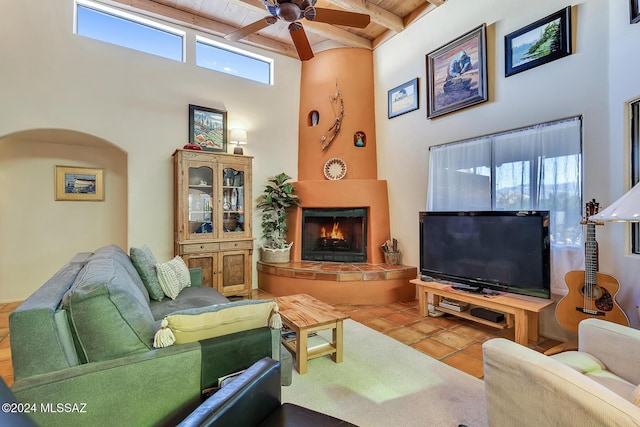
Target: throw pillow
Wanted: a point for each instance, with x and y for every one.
(145, 263)
(173, 277)
(220, 319)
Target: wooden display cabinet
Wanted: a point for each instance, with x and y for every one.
(212, 218)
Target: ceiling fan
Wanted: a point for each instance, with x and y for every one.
(293, 11)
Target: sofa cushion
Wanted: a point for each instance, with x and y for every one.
(222, 319)
(173, 276)
(191, 297)
(108, 313)
(115, 253)
(593, 368)
(145, 263)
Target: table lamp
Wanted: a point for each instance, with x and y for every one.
(238, 137)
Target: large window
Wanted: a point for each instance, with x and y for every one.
(534, 168)
(226, 59)
(124, 29)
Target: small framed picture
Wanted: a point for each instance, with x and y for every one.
(79, 183)
(208, 128)
(403, 98)
(634, 11)
(457, 74)
(543, 41)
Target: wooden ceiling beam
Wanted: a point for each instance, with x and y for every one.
(408, 20)
(418, 12)
(436, 2)
(339, 35)
(378, 15)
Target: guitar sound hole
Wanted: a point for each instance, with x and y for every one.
(591, 292)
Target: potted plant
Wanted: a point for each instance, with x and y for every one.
(274, 201)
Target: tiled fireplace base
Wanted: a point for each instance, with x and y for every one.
(339, 283)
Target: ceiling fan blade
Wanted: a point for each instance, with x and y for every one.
(251, 28)
(300, 41)
(340, 17)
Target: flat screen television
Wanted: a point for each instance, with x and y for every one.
(505, 251)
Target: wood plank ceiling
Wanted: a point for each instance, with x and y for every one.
(221, 17)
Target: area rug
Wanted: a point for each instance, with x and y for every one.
(382, 382)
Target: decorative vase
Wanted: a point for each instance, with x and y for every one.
(230, 224)
(192, 146)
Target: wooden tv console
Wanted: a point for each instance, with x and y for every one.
(520, 311)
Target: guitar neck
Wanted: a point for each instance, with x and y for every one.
(591, 255)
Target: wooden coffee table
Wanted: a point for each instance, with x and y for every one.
(304, 314)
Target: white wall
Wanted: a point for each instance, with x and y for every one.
(51, 78)
(583, 83)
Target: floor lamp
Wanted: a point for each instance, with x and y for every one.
(625, 209)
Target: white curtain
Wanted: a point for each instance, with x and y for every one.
(534, 168)
(461, 178)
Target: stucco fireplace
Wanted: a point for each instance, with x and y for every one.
(338, 230)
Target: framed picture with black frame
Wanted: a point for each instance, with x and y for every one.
(457, 73)
(634, 11)
(538, 43)
(634, 114)
(403, 98)
(208, 128)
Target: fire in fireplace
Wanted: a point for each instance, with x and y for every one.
(330, 234)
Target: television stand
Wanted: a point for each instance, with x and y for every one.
(520, 311)
(467, 288)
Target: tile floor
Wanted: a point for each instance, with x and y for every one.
(456, 342)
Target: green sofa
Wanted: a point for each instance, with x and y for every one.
(82, 347)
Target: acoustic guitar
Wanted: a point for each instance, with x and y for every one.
(591, 294)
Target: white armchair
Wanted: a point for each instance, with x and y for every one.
(594, 386)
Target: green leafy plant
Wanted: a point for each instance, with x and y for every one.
(274, 201)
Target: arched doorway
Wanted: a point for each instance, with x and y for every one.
(39, 234)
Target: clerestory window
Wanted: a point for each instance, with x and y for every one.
(114, 26)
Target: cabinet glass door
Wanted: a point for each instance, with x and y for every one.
(200, 201)
(233, 200)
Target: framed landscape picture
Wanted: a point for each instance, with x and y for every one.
(457, 74)
(403, 98)
(208, 128)
(543, 41)
(634, 11)
(79, 184)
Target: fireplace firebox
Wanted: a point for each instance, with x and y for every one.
(330, 234)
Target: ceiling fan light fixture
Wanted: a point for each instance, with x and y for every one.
(295, 26)
(310, 13)
(305, 3)
(289, 12)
